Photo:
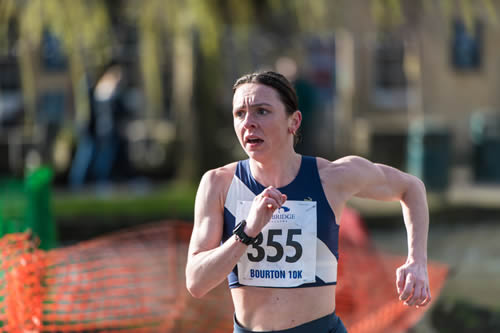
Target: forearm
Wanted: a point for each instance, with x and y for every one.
(416, 217)
(206, 270)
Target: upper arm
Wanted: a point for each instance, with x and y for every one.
(365, 179)
(209, 211)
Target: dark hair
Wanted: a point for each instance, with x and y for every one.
(283, 87)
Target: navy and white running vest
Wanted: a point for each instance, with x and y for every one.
(299, 246)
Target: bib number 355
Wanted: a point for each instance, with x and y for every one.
(271, 242)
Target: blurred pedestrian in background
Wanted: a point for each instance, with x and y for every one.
(100, 138)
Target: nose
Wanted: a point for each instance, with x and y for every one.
(249, 121)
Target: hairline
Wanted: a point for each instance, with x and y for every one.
(289, 110)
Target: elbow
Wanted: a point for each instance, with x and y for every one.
(193, 285)
(419, 184)
(415, 189)
(195, 289)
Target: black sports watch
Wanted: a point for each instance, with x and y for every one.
(240, 234)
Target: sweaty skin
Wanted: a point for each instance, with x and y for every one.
(265, 130)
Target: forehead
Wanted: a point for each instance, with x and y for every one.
(255, 93)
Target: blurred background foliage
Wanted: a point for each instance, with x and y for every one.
(172, 64)
(179, 53)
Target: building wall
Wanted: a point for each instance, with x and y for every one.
(448, 96)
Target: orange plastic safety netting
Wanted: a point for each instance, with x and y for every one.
(133, 281)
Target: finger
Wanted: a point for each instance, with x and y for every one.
(423, 295)
(266, 198)
(428, 297)
(416, 297)
(271, 203)
(400, 280)
(283, 198)
(408, 288)
(281, 201)
(273, 193)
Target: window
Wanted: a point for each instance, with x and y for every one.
(53, 57)
(389, 76)
(466, 45)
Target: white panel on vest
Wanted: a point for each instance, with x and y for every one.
(326, 268)
(237, 190)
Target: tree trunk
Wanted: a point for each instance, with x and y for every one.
(182, 104)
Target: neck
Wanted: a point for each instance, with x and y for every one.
(278, 171)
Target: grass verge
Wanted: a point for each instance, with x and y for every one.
(172, 200)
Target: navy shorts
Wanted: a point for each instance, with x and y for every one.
(327, 324)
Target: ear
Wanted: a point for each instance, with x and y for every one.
(294, 121)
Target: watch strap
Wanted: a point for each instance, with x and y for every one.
(239, 232)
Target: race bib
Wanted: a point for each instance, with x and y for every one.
(284, 254)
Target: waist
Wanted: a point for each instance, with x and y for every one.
(325, 324)
(267, 309)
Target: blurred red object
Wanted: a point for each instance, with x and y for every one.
(133, 281)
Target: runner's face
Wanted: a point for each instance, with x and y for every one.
(260, 120)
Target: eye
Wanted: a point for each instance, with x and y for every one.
(262, 111)
(239, 114)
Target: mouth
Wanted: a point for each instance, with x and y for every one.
(253, 141)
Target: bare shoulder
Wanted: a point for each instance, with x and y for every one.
(221, 175)
(357, 176)
(214, 186)
(343, 169)
(209, 207)
(336, 178)
(348, 176)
